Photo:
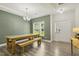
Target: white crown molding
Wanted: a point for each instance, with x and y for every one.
(20, 13)
(4, 8)
(7, 9)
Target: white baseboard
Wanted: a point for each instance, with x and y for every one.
(2, 44)
(47, 41)
(63, 41)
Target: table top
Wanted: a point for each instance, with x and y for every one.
(19, 36)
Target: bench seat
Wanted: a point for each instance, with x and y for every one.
(29, 42)
(23, 40)
(22, 44)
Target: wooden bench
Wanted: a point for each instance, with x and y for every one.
(26, 43)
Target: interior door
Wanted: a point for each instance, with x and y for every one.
(62, 31)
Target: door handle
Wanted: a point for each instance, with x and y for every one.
(58, 30)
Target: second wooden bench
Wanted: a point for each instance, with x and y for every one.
(26, 43)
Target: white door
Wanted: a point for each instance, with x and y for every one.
(62, 31)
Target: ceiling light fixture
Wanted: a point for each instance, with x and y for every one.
(60, 10)
(26, 17)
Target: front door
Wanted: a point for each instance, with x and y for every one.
(62, 31)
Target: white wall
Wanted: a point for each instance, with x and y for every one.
(66, 16)
(73, 15)
(77, 16)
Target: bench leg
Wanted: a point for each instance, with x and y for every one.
(22, 50)
(39, 42)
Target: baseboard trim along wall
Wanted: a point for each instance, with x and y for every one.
(63, 41)
(4, 44)
(47, 41)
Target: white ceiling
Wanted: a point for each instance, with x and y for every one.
(35, 9)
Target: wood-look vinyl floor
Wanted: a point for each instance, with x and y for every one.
(46, 49)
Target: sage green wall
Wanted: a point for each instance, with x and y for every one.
(46, 19)
(11, 24)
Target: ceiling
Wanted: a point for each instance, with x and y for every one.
(34, 9)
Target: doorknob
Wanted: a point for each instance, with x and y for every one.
(58, 30)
